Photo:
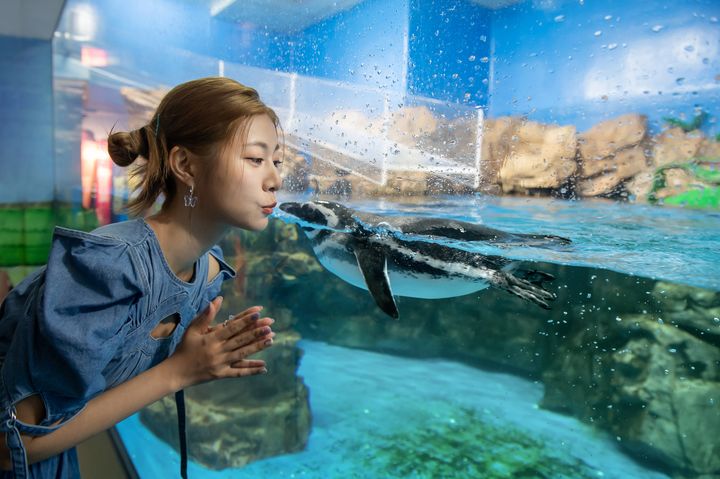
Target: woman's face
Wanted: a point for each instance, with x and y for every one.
(240, 190)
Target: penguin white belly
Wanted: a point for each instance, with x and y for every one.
(404, 283)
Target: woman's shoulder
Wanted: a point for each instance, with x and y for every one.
(218, 268)
(124, 232)
(108, 253)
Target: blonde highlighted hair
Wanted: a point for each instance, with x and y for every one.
(201, 115)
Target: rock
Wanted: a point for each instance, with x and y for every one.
(543, 156)
(236, 421)
(598, 177)
(709, 148)
(666, 399)
(498, 136)
(695, 310)
(677, 181)
(295, 173)
(647, 381)
(409, 125)
(606, 138)
(676, 146)
(355, 120)
(406, 183)
(640, 186)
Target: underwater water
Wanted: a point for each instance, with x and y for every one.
(672, 244)
(368, 407)
(485, 385)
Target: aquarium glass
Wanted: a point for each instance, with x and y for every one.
(530, 284)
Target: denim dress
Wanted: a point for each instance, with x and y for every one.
(82, 324)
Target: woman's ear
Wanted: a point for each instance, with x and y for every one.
(182, 166)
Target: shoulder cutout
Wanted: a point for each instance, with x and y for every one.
(213, 267)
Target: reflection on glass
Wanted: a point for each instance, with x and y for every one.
(593, 121)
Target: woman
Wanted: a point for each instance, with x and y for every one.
(106, 327)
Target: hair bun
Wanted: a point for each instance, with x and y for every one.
(124, 147)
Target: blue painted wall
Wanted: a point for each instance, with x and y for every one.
(449, 50)
(26, 116)
(583, 62)
(363, 45)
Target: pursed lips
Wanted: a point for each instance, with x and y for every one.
(267, 209)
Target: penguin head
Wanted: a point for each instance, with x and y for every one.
(322, 213)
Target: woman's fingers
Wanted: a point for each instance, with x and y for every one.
(247, 337)
(249, 363)
(241, 372)
(241, 353)
(238, 325)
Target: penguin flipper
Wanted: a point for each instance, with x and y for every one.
(534, 276)
(373, 267)
(524, 289)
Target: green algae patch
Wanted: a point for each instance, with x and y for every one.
(464, 445)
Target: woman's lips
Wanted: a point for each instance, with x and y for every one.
(269, 208)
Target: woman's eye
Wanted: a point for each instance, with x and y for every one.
(257, 161)
(277, 163)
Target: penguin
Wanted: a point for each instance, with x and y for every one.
(414, 256)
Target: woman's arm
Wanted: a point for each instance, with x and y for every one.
(205, 353)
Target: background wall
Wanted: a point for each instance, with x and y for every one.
(556, 61)
(26, 115)
(579, 63)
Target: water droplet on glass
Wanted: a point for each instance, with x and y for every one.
(607, 17)
(484, 60)
(689, 48)
(657, 28)
(560, 19)
(612, 46)
(471, 58)
(706, 61)
(680, 80)
(598, 33)
(618, 318)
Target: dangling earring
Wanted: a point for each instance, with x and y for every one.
(190, 200)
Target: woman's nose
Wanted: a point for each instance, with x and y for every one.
(274, 180)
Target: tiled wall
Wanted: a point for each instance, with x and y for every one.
(26, 119)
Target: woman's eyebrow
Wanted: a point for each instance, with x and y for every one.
(263, 145)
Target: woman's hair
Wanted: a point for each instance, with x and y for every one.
(201, 115)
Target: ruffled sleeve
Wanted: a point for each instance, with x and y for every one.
(226, 272)
(91, 284)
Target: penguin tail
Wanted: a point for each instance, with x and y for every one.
(526, 290)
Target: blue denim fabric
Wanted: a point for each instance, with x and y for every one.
(82, 323)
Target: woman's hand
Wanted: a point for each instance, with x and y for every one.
(214, 352)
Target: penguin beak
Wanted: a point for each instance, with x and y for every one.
(305, 212)
(290, 207)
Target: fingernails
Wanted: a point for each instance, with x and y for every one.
(254, 316)
(268, 342)
(265, 330)
(263, 371)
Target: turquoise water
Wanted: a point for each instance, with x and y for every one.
(664, 243)
(359, 398)
(366, 404)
